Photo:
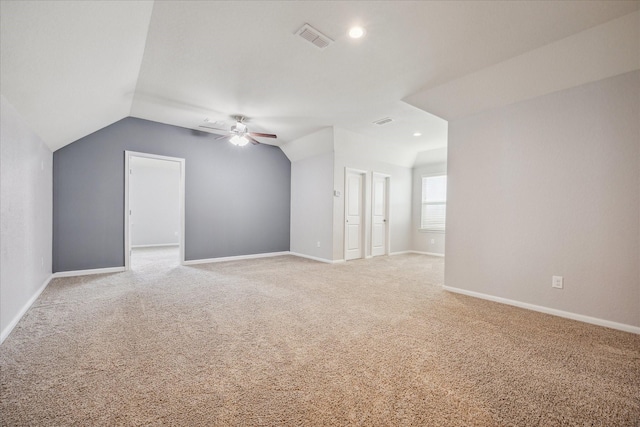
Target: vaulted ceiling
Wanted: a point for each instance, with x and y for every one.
(71, 67)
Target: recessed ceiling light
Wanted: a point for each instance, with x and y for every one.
(417, 134)
(356, 32)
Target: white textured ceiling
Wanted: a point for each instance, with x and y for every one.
(71, 68)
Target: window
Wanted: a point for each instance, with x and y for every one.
(434, 203)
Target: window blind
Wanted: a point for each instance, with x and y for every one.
(434, 203)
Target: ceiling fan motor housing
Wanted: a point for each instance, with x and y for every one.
(239, 128)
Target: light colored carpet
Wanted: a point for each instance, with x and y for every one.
(288, 341)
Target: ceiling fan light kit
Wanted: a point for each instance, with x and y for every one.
(240, 141)
(239, 133)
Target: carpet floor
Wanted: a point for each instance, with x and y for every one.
(293, 342)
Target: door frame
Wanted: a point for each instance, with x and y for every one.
(387, 231)
(127, 223)
(363, 216)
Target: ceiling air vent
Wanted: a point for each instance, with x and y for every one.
(314, 36)
(383, 121)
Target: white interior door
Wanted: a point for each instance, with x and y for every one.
(379, 214)
(353, 230)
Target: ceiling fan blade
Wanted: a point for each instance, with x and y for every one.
(263, 135)
(212, 128)
(253, 141)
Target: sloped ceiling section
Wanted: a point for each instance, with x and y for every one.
(594, 54)
(71, 68)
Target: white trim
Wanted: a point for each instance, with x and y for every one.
(400, 253)
(159, 245)
(7, 330)
(417, 252)
(235, 258)
(75, 273)
(560, 313)
(127, 212)
(127, 238)
(326, 261)
(428, 253)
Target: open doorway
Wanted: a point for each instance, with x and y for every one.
(154, 211)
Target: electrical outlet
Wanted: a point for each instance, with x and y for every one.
(557, 282)
(433, 241)
(318, 244)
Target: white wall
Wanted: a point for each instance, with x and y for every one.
(154, 189)
(25, 216)
(311, 159)
(312, 206)
(550, 186)
(315, 143)
(351, 151)
(422, 241)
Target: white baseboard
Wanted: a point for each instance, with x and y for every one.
(400, 253)
(547, 310)
(88, 272)
(428, 253)
(327, 261)
(160, 245)
(234, 258)
(7, 330)
(417, 252)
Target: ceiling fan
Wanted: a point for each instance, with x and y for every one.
(239, 134)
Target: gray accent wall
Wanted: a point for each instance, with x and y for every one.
(25, 216)
(237, 199)
(550, 186)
